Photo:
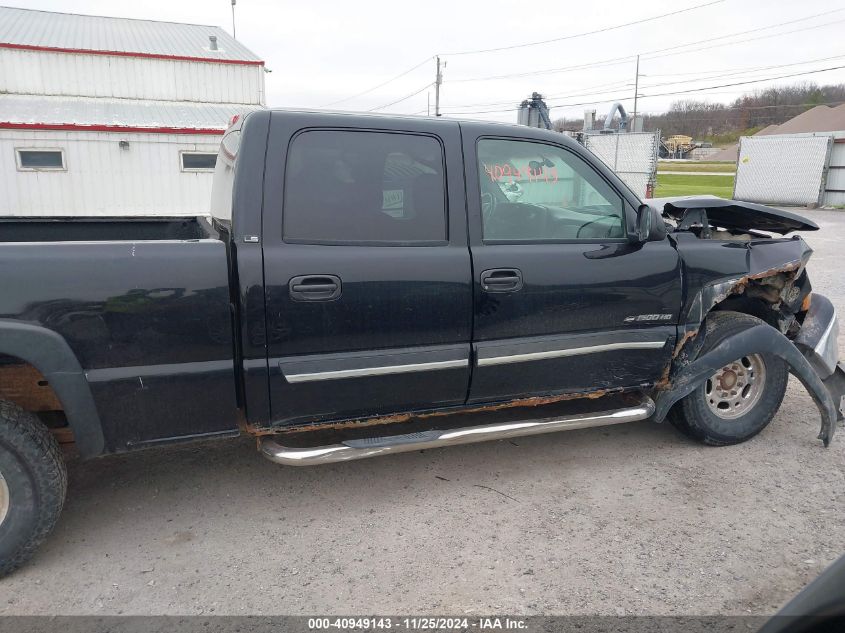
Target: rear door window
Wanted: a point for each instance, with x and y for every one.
(350, 187)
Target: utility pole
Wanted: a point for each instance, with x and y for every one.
(437, 81)
(428, 103)
(233, 19)
(636, 85)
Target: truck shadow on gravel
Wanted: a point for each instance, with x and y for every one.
(231, 478)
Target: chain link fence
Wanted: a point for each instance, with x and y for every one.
(633, 156)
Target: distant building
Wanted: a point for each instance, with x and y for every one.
(114, 116)
(821, 118)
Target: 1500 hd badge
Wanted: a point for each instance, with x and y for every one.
(647, 317)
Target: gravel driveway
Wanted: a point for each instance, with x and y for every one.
(632, 519)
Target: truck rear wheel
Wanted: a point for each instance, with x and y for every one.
(740, 399)
(33, 482)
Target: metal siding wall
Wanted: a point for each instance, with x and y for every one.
(104, 180)
(38, 72)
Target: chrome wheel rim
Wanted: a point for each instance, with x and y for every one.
(4, 499)
(736, 388)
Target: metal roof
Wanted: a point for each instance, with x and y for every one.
(45, 30)
(80, 113)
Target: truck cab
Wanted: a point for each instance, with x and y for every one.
(414, 264)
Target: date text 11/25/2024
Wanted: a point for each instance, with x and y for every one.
(418, 623)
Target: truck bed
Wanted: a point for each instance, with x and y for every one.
(144, 307)
(105, 229)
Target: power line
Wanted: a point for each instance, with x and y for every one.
(745, 71)
(512, 101)
(616, 85)
(413, 94)
(562, 69)
(749, 31)
(752, 39)
(578, 35)
(514, 46)
(724, 72)
(742, 108)
(702, 72)
(609, 62)
(665, 94)
(384, 83)
(728, 109)
(752, 81)
(673, 50)
(713, 74)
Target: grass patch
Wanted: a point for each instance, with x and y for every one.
(726, 167)
(727, 138)
(682, 185)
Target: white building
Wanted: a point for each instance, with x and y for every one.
(113, 116)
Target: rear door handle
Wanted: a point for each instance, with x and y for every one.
(315, 287)
(501, 280)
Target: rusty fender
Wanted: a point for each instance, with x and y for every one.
(757, 339)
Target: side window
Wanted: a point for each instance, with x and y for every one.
(40, 159)
(348, 187)
(537, 192)
(198, 161)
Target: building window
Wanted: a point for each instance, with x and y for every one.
(40, 159)
(198, 161)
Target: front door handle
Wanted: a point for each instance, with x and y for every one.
(501, 280)
(315, 288)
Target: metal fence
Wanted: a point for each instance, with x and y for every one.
(633, 156)
(834, 188)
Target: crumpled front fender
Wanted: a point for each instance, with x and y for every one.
(757, 339)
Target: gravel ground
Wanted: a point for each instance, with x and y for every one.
(633, 519)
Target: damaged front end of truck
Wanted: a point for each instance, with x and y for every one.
(736, 258)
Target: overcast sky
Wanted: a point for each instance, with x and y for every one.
(323, 51)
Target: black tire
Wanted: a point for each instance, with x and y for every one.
(33, 470)
(695, 417)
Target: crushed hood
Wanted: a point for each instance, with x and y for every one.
(734, 214)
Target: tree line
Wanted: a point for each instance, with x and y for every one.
(755, 110)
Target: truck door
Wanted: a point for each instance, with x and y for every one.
(367, 270)
(564, 302)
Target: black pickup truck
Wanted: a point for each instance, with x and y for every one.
(369, 285)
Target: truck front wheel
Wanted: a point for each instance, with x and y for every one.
(33, 482)
(740, 399)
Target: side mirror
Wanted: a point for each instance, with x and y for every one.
(650, 225)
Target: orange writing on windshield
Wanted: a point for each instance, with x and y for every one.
(508, 172)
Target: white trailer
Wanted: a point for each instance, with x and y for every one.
(113, 116)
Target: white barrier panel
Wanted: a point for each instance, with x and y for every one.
(784, 169)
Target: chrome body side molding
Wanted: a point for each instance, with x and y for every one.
(369, 363)
(573, 351)
(376, 371)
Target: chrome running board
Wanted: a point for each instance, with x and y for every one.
(372, 447)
